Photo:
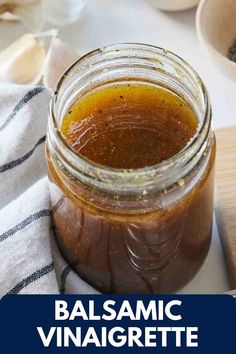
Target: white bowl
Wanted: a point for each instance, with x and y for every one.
(216, 28)
(174, 5)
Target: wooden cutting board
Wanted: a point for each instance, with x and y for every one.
(225, 206)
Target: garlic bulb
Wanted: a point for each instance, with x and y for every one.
(34, 13)
(23, 61)
(59, 57)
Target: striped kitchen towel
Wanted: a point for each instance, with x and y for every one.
(30, 262)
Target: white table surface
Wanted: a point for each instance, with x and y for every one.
(114, 21)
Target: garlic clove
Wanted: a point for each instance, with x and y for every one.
(59, 57)
(63, 12)
(23, 61)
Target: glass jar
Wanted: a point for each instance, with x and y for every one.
(133, 231)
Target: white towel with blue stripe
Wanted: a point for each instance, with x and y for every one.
(30, 262)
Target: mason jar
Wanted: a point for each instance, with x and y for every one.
(145, 230)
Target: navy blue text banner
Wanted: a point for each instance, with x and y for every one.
(201, 324)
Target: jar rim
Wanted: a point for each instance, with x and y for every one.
(125, 178)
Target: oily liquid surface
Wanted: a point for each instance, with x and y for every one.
(129, 125)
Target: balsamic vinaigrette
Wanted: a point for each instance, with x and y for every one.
(129, 126)
(132, 232)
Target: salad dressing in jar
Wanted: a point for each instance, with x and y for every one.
(130, 156)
